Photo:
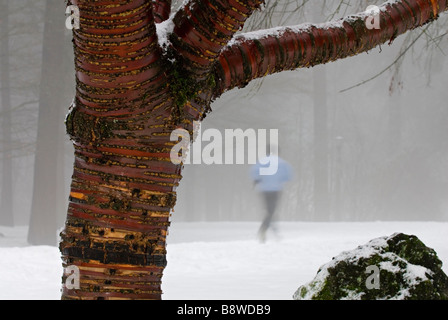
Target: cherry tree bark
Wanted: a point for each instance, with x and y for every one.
(161, 10)
(133, 89)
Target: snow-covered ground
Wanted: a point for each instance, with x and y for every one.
(221, 260)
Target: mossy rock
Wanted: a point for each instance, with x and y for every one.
(398, 267)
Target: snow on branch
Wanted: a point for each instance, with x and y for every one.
(255, 54)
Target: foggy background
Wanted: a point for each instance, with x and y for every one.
(378, 151)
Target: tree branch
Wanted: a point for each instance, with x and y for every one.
(203, 27)
(389, 66)
(256, 54)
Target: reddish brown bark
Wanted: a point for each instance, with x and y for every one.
(161, 10)
(123, 182)
(203, 28)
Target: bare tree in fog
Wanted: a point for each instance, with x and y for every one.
(48, 185)
(133, 91)
(321, 183)
(6, 199)
(17, 88)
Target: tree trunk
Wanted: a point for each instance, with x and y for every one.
(123, 184)
(118, 216)
(7, 196)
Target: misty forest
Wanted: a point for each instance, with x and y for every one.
(366, 136)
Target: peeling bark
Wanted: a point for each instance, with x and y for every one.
(161, 10)
(203, 28)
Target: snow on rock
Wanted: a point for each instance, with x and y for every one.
(398, 267)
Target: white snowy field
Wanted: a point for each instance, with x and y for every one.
(221, 260)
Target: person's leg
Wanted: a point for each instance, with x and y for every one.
(270, 199)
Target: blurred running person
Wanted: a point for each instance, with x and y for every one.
(269, 176)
